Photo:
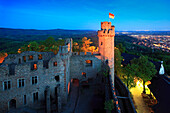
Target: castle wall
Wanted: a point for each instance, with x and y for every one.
(18, 58)
(46, 77)
(78, 65)
(65, 64)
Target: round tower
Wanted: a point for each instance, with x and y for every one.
(106, 44)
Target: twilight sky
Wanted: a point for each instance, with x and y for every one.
(85, 14)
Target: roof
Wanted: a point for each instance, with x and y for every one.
(160, 87)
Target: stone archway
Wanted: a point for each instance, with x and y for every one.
(12, 104)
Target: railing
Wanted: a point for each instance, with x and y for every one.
(121, 95)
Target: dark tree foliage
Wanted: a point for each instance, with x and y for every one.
(144, 69)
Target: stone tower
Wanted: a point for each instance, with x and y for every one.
(106, 44)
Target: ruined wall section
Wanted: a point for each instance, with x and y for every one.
(46, 77)
(65, 53)
(19, 58)
(79, 65)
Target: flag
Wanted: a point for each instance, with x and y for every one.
(111, 15)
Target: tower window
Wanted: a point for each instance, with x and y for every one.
(101, 43)
(40, 57)
(30, 57)
(7, 85)
(88, 63)
(55, 64)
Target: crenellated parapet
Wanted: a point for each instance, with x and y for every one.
(27, 56)
(107, 30)
(84, 53)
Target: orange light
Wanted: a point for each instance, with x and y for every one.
(68, 87)
(3, 57)
(88, 61)
(40, 56)
(55, 63)
(35, 66)
(30, 57)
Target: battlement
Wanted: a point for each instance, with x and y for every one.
(105, 25)
(107, 30)
(27, 56)
(85, 54)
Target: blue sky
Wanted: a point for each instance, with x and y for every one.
(85, 14)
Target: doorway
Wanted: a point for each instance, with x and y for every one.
(12, 104)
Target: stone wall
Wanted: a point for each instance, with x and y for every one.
(46, 77)
(78, 65)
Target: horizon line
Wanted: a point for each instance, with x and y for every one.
(81, 29)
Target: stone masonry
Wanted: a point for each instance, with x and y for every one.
(40, 80)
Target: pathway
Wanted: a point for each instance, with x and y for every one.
(141, 106)
(70, 106)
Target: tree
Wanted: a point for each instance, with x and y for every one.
(54, 49)
(109, 105)
(117, 61)
(76, 47)
(121, 48)
(50, 41)
(86, 44)
(144, 68)
(23, 48)
(59, 43)
(128, 75)
(33, 46)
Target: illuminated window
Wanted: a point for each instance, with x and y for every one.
(55, 64)
(30, 57)
(24, 58)
(84, 74)
(35, 66)
(21, 82)
(88, 63)
(40, 57)
(34, 80)
(7, 85)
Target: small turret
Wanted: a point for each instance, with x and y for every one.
(162, 70)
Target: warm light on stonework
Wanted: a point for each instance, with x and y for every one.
(35, 66)
(88, 61)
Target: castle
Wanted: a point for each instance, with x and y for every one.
(35, 79)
